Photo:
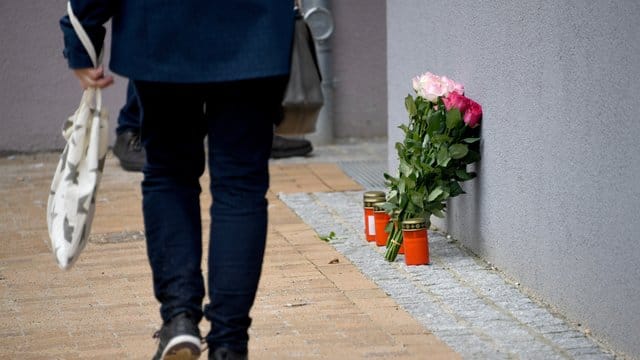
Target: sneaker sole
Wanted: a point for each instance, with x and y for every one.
(284, 153)
(131, 166)
(182, 347)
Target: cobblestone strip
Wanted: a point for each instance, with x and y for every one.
(459, 298)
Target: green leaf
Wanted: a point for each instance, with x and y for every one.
(388, 207)
(399, 147)
(453, 118)
(416, 199)
(458, 151)
(441, 138)
(472, 157)
(422, 104)
(388, 177)
(389, 227)
(410, 181)
(437, 213)
(443, 157)
(425, 141)
(435, 122)
(411, 208)
(463, 175)
(405, 169)
(455, 189)
(410, 105)
(331, 236)
(471, 140)
(433, 195)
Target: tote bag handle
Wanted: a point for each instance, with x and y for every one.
(84, 38)
(88, 45)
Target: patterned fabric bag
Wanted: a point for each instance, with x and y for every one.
(71, 203)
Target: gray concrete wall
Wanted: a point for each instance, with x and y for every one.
(359, 64)
(38, 91)
(557, 199)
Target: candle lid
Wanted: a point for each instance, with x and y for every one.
(378, 206)
(373, 194)
(414, 224)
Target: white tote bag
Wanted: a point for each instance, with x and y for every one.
(72, 200)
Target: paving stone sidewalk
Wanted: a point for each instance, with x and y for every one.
(313, 302)
(466, 302)
(316, 300)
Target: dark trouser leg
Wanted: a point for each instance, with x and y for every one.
(240, 116)
(173, 130)
(129, 117)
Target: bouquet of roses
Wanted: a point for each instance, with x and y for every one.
(440, 140)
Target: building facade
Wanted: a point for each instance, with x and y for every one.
(557, 198)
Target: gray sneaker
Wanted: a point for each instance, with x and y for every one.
(179, 339)
(129, 151)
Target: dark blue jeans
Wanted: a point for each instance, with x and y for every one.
(129, 116)
(238, 119)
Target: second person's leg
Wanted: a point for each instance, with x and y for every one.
(128, 148)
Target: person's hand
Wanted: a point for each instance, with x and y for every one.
(93, 77)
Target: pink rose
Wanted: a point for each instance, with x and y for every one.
(456, 101)
(416, 83)
(473, 114)
(420, 81)
(432, 90)
(429, 86)
(453, 86)
(459, 88)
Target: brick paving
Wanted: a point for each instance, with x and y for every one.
(313, 302)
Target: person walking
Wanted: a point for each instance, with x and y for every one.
(199, 68)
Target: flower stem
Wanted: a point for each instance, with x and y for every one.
(393, 244)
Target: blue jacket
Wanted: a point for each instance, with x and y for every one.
(187, 41)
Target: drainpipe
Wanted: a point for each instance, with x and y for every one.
(318, 16)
